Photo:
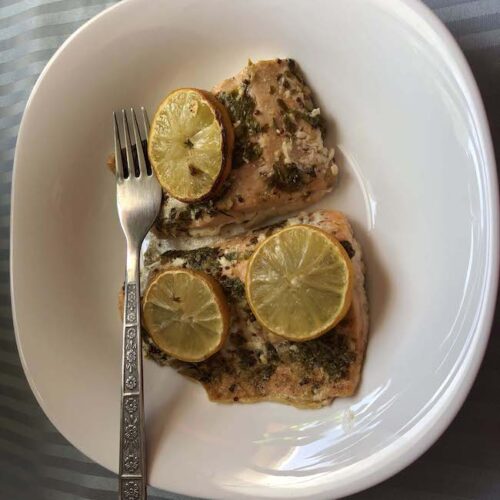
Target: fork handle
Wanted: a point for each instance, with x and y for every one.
(132, 481)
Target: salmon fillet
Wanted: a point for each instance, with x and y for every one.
(280, 163)
(256, 365)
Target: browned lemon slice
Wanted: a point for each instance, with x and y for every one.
(186, 314)
(190, 144)
(299, 282)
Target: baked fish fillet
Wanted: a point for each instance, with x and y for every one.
(255, 365)
(280, 164)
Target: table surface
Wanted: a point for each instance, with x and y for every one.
(37, 462)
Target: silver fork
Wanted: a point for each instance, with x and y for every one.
(138, 199)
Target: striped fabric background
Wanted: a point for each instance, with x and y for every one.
(36, 462)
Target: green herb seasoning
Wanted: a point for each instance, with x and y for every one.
(199, 209)
(289, 123)
(179, 219)
(250, 151)
(315, 121)
(287, 177)
(241, 108)
(231, 255)
(177, 222)
(330, 353)
(202, 259)
(233, 288)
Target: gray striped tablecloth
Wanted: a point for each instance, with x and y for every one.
(36, 462)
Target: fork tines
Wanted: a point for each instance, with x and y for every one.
(131, 154)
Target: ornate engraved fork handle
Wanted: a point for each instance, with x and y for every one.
(132, 437)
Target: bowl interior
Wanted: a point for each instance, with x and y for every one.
(414, 183)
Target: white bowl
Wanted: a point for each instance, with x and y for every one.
(418, 182)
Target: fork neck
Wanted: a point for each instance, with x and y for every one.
(133, 252)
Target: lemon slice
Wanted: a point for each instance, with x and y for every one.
(186, 314)
(299, 282)
(190, 144)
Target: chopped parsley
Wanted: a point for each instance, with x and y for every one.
(330, 352)
(201, 259)
(286, 177)
(233, 288)
(241, 108)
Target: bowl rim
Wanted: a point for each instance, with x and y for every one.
(398, 455)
